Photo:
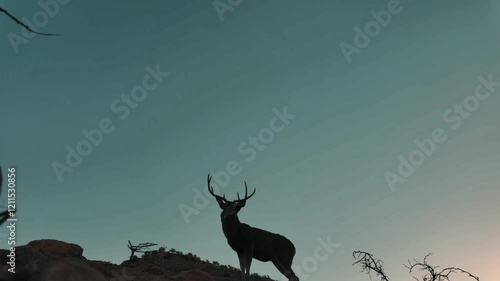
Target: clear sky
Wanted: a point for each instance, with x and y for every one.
(329, 170)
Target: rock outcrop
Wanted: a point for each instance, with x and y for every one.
(56, 248)
(52, 260)
(25, 261)
(67, 269)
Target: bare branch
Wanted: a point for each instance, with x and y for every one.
(369, 263)
(141, 248)
(2, 10)
(432, 273)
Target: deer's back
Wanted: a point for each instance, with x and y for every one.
(267, 245)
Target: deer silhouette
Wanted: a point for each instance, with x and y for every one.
(250, 242)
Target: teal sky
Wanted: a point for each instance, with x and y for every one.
(322, 175)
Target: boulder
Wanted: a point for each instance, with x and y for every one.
(56, 248)
(24, 260)
(67, 269)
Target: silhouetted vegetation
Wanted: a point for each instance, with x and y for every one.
(178, 261)
(141, 248)
(434, 273)
(371, 265)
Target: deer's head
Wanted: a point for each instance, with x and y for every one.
(229, 208)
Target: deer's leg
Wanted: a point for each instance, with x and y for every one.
(241, 257)
(279, 267)
(248, 261)
(286, 269)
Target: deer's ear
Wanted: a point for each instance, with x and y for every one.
(242, 204)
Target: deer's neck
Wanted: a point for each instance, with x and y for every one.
(230, 226)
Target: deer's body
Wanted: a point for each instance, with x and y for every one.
(251, 242)
(267, 246)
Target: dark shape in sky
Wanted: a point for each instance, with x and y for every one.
(2, 10)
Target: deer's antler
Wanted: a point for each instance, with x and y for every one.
(246, 194)
(211, 190)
